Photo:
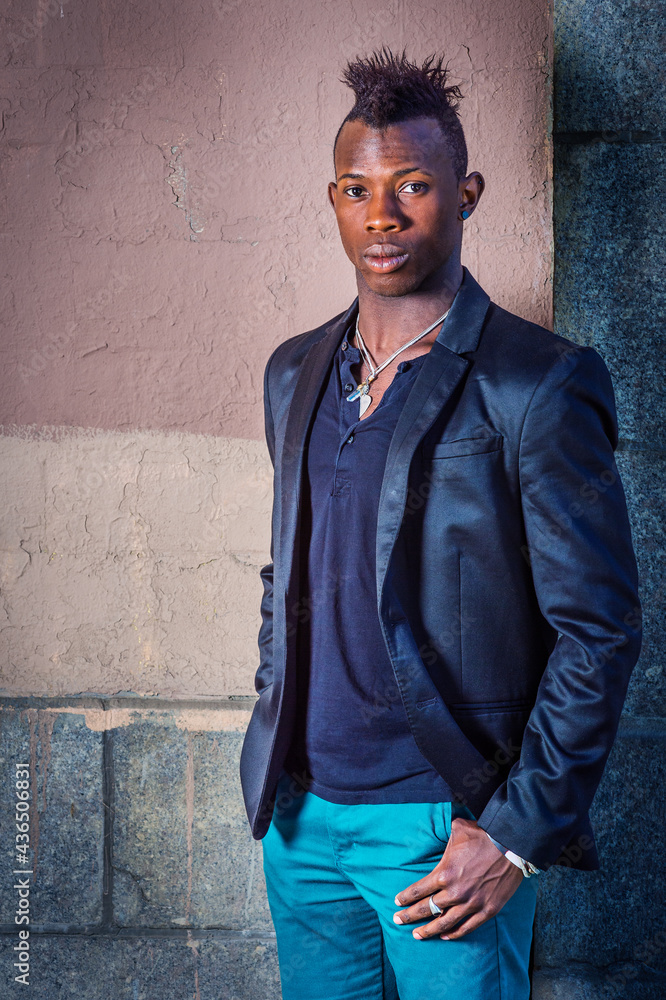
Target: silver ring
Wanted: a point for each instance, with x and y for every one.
(434, 908)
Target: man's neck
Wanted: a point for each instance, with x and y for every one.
(387, 322)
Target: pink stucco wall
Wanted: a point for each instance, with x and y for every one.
(164, 190)
(164, 169)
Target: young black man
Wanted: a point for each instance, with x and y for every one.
(450, 615)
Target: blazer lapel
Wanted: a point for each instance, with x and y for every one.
(441, 371)
(436, 733)
(309, 383)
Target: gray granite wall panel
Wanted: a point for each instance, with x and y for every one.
(183, 854)
(66, 816)
(610, 64)
(603, 934)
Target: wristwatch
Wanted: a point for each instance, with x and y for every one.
(526, 867)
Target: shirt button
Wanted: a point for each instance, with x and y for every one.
(349, 387)
(344, 345)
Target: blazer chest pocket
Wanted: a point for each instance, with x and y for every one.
(464, 446)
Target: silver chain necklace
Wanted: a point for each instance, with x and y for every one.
(363, 388)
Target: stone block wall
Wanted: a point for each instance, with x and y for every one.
(144, 881)
(603, 934)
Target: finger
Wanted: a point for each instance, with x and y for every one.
(469, 925)
(421, 910)
(441, 925)
(433, 882)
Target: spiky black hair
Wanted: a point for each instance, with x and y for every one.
(390, 89)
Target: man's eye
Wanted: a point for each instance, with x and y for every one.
(355, 188)
(412, 184)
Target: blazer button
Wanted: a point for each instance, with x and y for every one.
(349, 387)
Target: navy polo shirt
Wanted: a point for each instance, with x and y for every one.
(352, 742)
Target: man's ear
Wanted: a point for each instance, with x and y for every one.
(332, 191)
(470, 189)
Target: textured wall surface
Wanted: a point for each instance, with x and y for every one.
(164, 181)
(130, 899)
(131, 562)
(604, 936)
(164, 173)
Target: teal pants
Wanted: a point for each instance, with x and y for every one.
(332, 873)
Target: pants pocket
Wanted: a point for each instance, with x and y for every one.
(443, 815)
(458, 809)
(442, 821)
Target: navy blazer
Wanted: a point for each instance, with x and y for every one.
(507, 585)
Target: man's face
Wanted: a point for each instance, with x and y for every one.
(397, 203)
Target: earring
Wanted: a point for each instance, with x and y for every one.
(465, 214)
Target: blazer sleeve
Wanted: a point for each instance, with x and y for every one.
(586, 582)
(264, 674)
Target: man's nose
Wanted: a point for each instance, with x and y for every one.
(383, 214)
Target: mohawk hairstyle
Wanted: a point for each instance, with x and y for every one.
(390, 89)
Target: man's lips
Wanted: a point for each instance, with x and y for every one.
(384, 257)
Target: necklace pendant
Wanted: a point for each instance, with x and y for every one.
(366, 399)
(358, 391)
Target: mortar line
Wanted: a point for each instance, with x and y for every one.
(175, 933)
(617, 136)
